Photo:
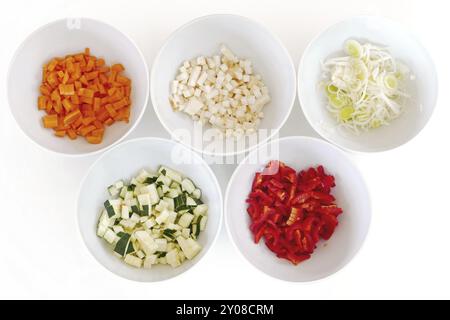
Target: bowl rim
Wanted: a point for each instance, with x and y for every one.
(293, 72)
(227, 218)
(102, 149)
(201, 162)
(408, 32)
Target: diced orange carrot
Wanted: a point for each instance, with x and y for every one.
(50, 121)
(60, 133)
(91, 75)
(84, 131)
(109, 122)
(66, 89)
(123, 80)
(88, 93)
(81, 95)
(72, 134)
(120, 104)
(67, 105)
(98, 132)
(71, 117)
(94, 139)
(42, 102)
(117, 67)
(111, 111)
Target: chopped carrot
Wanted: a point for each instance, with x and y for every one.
(67, 105)
(60, 133)
(117, 68)
(72, 134)
(84, 131)
(94, 139)
(42, 102)
(50, 121)
(71, 117)
(66, 89)
(82, 95)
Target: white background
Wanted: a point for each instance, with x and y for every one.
(406, 254)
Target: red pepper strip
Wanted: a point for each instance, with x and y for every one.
(257, 181)
(330, 224)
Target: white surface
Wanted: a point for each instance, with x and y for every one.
(124, 162)
(58, 39)
(404, 47)
(406, 253)
(301, 153)
(247, 40)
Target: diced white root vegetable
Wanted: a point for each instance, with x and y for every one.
(185, 220)
(133, 261)
(225, 81)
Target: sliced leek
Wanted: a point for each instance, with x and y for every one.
(366, 88)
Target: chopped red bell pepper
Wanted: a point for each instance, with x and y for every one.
(291, 212)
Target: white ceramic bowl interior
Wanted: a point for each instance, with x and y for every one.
(59, 39)
(247, 39)
(351, 194)
(405, 47)
(125, 161)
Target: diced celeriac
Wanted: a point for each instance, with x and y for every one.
(222, 91)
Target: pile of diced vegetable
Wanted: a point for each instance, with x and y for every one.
(155, 219)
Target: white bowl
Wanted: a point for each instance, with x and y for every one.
(405, 47)
(351, 194)
(246, 38)
(64, 37)
(125, 161)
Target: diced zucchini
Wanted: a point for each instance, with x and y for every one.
(140, 254)
(146, 242)
(172, 258)
(170, 203)
(185, 220)
(125, 212)
(188, 186)
(172, 174)
(186, 232)
(190, 202)
(149, 261)
(172, 217)
(154, 196)
(180, 202)
(203, 222)
(163, 216)
(197, 194)
(162, 245)
(189, 246)
(133, 261)
(201, 210)
(164, 180)
(113, 191)
(173, 193)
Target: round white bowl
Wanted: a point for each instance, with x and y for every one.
(64, 37)
(125, 161)
(246, 38)
(405, 47)
(351, 194)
